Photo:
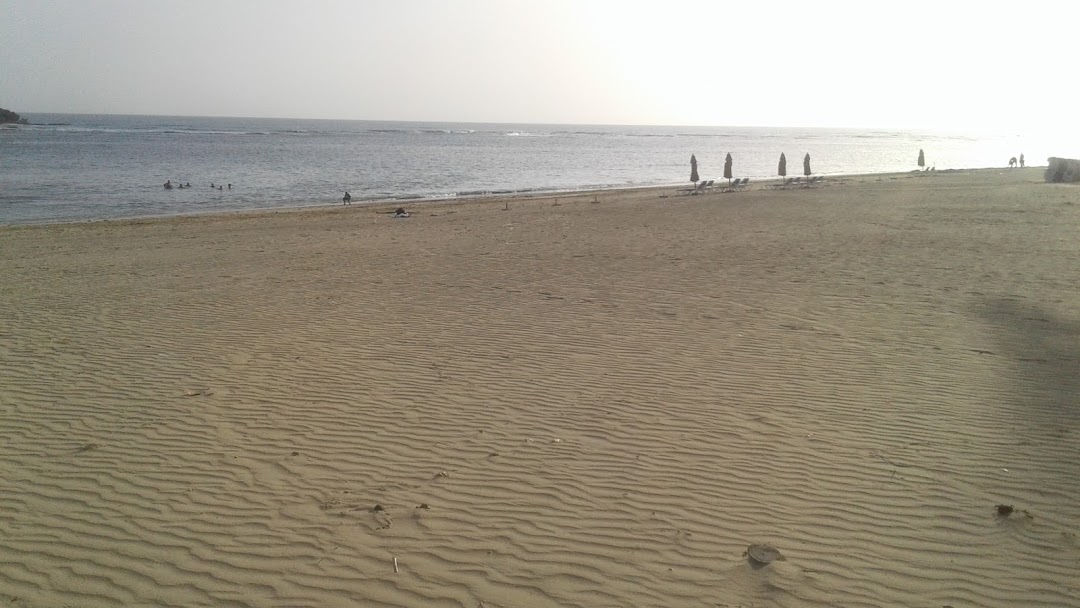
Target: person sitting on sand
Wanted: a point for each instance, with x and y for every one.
(347, 199)
(400, 212)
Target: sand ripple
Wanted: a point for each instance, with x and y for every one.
(585, 405)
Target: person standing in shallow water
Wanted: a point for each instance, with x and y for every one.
(347, 199)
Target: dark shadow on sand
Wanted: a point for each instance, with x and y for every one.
(1044, 349)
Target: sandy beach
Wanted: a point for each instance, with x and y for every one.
(589, 400)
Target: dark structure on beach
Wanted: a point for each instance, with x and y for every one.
(1063, 170)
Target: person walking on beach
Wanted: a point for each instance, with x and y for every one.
(1021, 160)
(347, 199)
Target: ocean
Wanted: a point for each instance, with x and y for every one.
(66, 167)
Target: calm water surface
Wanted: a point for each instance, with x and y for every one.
(82, 167)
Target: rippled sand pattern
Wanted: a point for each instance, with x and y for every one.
(571, 404)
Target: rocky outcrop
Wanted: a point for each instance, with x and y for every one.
(1063, 170)
(7, 116)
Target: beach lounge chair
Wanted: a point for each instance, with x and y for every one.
(745, 183)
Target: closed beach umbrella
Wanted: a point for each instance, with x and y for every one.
(806, 165)
(693, 169)
(922, 158)
(782, 169)
(727, 169)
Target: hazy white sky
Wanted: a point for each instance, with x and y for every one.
(935, 64)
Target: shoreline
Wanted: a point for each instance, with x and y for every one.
(493, 198)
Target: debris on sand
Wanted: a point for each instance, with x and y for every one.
(763, 555)
(1004, 511)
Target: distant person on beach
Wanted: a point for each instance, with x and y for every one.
(187, 185)
(1012, 162)
(230, 186)
(221, 187)
(347, 199)
(1021, 160)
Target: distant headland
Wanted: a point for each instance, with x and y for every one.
(7, 116)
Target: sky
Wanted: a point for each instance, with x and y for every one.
(950, 65)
